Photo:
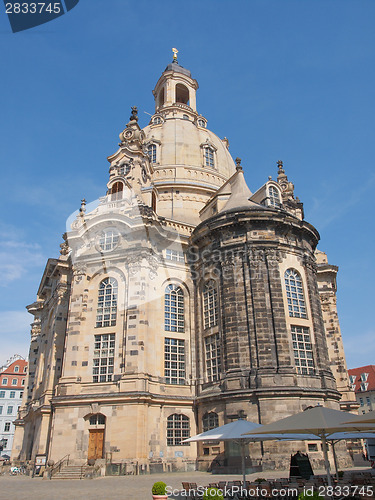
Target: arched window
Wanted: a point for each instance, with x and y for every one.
(294, 293)
(213, 357)
(274, 197)
(116, 191)
(97, 419)
(153, 201)
(210, 305)
(16, 369)
(109, 240)
(202, 123)
(161, 97)
(107, 303)
(151, 151)
(174, 309)
(208, 157)
(210, 421)
(157, 120)
(178, 429)
(182, 93)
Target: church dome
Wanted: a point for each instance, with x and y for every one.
(189, 161)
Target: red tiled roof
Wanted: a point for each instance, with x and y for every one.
(370, 380)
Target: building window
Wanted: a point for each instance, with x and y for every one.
(364, 386)
(294, 293)
(117, 191)
(157, 120)
(368, 401)
(361, 402)
(1, 410)
(107, 303)
(302, 349)
(364, 377)
(14, 381)
(213, 358)
(178, 429)
(210, 421)
(16, 369)
(109, 240)
(175, 255)
(25, 369)
(7, 427)
(10, 410)
(174, 309)
(21, 394)
(151, 151)
(97, 419)
(5, 381)
(174, 361)
(5, 444)
(2, 394)
(23, 382)
(274, 197)
(104, 355)
(12, 394)
(208, 156)
(210, 306)
(312, 447)
(202, 123)
(352, 379)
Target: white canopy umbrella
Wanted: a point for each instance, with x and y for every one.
(319, 421)
(366, 418)
(234, 431)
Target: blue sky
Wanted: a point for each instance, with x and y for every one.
(290, 80)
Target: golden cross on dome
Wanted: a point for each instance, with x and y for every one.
(175, 52)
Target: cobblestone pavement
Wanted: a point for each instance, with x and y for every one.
(109, 488)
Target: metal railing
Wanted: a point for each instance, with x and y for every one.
(57, 467)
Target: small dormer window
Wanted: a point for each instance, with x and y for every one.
(364, 377)
(208, 153)
(151, 151)
(157, 120)
(202, 123)
(185, 117)
(274, 197)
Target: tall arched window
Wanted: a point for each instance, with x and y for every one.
(294, 293)
(107, 303)
(151, 151)
(274, 197)
(210, 305)
(208, 157)
(182, 93)
(178, 429)
(210, 421)
(174, 309)
(116, 191)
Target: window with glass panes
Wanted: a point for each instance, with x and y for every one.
(108, 240)
(274, 197)
(7, 427)
(151, 151)
(104, 355)
(213, 359)
(210, 309)
(294, 293)
(302, 349)
(175, 255)
(208, 157)
(210, 421)
(107, 303)
(178, 429)
(174, 361)
(174, 309)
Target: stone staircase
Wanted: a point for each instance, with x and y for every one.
(70, 472)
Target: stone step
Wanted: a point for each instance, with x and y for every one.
(70, 472)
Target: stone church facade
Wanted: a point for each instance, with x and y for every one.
(179, 302)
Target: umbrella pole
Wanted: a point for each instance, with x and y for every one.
(243, 462)
(326, 461)
(335, 459)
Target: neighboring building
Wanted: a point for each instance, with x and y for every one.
(180, 302)
(362, 381)
(12, 385)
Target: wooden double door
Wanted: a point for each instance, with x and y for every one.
(96, 443)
